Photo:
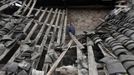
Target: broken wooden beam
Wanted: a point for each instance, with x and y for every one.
(76, 41)
(59, 58)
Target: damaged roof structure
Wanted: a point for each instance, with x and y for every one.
(41, 41)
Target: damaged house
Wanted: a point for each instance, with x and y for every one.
(66, 37)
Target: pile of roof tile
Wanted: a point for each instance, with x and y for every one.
(117, 34)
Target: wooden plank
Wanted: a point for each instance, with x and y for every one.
(47, 24)
(43, 27)
(52, 39)
(54, 32)
(34, 27)
(48, 29)
(59, 59)
(76, 41)
(28, 5)
(53, 26)
(92, 66)
(79, 58)
(43, 10)
(60, 29)
(30, 11)
(47, 32)
(64, 30)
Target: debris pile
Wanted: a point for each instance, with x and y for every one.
(117, 35)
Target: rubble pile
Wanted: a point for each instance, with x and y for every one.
(117, 35)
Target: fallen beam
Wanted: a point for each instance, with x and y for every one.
(76, 41)
(59, 59)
